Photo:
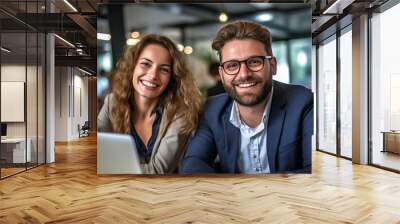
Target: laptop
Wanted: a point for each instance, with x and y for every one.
(117, 154)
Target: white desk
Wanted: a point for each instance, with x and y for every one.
(18, 149)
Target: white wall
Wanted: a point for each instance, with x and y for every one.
(33, 126)
(61, 103)
(81, 82)
(12, 73)
(71, 93)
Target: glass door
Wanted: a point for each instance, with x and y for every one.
(346, 92)
(22, 77)
(13, 103)
(326, 140)
(385, 89)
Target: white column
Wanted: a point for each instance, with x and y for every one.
(360, 90)
(50, 92)
(50, 99)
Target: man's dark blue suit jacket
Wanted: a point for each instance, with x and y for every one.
(289, 131)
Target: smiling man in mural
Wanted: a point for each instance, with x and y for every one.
(260, 125)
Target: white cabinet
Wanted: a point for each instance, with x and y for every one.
(18, 149)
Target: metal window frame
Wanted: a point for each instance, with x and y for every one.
(339, 31)
(381, 9)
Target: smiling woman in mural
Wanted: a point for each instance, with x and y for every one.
(153, 98)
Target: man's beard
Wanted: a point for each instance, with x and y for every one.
(248, 99)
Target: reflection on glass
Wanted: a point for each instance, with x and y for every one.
(41, 99)
(385, 85)
(31, 101)
(345, 94)
(327, 97)
(13, 85)
(300, 58)
(279, 50)
(22, 90)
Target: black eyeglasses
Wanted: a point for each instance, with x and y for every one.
(254, 64)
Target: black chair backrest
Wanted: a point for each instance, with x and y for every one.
(86, 125)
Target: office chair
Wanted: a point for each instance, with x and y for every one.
(84, 130)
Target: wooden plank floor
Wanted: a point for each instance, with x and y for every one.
(69, 191)
(10, 171)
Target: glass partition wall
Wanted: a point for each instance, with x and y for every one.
(326, 140)
(334, 98)
(334, 85)
(22, 88)
(13, 110)
(385, 89)
(345, 61)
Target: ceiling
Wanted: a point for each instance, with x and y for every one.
(333, 15)
(189, 24)
(77, 27)
(200, 21)
(183, 22)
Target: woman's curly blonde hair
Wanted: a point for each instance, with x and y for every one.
(181, 97)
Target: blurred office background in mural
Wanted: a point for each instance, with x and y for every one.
(193, 26)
